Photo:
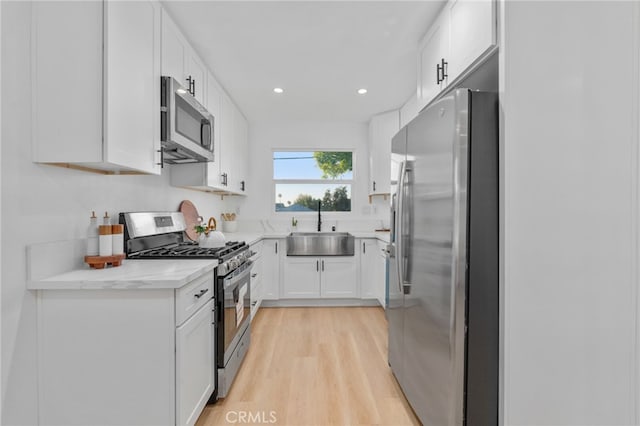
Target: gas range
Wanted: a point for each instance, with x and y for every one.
(160, 235)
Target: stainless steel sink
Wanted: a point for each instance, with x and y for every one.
(320, 244)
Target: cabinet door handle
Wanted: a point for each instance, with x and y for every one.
(254, 275)
(276, 247)
(202, 292)
(194, 88)
(438, 74)
(191, 84)
(242, 185)
(161, 163)
(323, 265)
(444, 69)
(374, 186)
(317, 265)
(364, 247)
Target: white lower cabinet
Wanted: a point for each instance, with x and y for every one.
(380, 279)
(301, 278)
(372, 269)
(272, 249)
(338, 277)
(128, 356)
(256, 278)
(326, 277)
(194, 365)
(367, 272)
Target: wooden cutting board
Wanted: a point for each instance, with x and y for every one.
(191, 217)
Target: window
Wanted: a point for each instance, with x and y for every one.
(304, 178)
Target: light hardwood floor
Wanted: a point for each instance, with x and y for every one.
(314, 366)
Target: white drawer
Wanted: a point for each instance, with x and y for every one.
(190, 297)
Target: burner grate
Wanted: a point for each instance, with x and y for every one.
(192, 250)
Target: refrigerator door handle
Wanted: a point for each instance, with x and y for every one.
(407, 209)
(394, 205)
(398, 227)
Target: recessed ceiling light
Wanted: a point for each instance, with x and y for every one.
(278, 90)
(362, 91)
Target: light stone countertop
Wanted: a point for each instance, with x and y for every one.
(132, 274)
(248, 237)
(253, 237)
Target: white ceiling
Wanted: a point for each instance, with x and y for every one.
(320, 52)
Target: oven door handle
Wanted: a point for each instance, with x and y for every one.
(231, 281)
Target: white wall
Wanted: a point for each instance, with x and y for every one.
(1, 211)
(265, 137)
(43, 203)
(569, 99)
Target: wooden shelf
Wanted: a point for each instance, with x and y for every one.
(385, 195)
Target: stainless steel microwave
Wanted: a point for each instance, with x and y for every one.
(186, 126)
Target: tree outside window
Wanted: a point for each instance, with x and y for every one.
(304, 178)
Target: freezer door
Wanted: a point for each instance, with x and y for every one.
(432, 360)
(395, 316)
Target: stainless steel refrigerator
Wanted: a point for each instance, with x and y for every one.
(443, 261)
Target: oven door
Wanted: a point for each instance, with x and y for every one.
(237, 307)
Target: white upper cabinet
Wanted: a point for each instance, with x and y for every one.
(432, 51)
(197, 75)
(233, 147)
(204, 176)
(181, 62)
(95, 85)
(472, 31)
(214, 98)
(240, 152)
(174, 50)
(463, 32)
(408, 111)
(227, 173)
(382, 128)
(227, 127)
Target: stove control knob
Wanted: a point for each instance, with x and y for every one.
(222, 269)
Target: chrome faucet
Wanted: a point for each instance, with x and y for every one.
(319, 220)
